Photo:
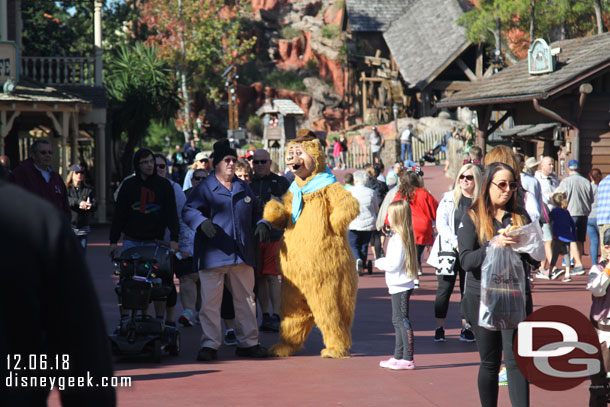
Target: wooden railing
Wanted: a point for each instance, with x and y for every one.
(59, 70)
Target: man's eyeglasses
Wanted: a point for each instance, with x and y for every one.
(230, 160)
(198, 178)
(503, 185)
(260, 161)
(467, 177)
(162, 166)
(45, 152)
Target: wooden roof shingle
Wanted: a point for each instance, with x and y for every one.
(374, 15)
(579, 59)
(426, 39)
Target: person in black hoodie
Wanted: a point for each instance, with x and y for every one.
(45, 272)
(145, 207)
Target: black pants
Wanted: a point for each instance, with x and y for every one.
(376, 243)
(445, 289)
(420, 251)
(403, 349)
(490, 345)
(558, 247)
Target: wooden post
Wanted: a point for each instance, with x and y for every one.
(484, 115)
(364, 107)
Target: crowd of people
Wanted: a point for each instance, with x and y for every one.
(209, 208)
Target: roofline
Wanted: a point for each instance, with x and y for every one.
(444, 66)
(524, 98)
(494, 100)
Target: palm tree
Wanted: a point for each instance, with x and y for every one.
(141, 88)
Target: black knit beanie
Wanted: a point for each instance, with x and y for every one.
(222, 149)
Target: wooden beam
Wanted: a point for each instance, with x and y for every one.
(450, 86)
(497, 124)
(35, 107)
(478, 70)
(466, 70)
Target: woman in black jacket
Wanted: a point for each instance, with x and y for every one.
(496, 208)
(81, 198)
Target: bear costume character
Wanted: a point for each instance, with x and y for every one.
(319, 281)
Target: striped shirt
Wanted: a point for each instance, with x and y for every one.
(603, 202)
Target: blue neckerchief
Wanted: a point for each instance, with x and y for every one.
(318, 182)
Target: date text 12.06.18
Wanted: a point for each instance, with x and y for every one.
(37, 361)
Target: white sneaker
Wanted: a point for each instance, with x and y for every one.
(542, 276)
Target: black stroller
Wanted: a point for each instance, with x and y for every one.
(430, 155)
(145, 275)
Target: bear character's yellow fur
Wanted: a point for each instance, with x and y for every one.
(319, 282)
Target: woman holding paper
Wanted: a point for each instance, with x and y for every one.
(496, 208)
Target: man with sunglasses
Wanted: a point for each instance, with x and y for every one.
(37, 176)
(266, 186)
(223, 211)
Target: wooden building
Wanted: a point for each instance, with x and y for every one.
(58, 97)
(423, 44)
(564, 113)
(279, 121)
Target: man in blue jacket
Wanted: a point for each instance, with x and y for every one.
(223, 211)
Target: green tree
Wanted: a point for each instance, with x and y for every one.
(140, 89)
(201, 38)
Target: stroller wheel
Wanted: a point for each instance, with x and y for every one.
(156, 351)
(422, 162)
(174, 348)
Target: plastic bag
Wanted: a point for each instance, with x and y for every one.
(530, 240)
(502, 288)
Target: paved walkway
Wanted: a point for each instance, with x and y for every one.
(446, 373)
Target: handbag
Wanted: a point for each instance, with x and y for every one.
(446, 261)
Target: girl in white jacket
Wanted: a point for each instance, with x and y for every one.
(400, 266)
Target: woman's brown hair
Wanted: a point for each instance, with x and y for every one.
(482, 209)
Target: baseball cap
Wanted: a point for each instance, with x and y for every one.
(76, 168)
(532, 162)
(201, 156)
(573, 164)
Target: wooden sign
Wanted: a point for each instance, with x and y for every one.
(539, 58)
(9, 62)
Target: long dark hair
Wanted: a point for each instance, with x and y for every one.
(408, 182)
(482, 209)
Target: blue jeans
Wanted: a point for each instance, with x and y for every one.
(406, 147)
(82, 239)
(359, 243)
(593, 233)
(129, 244)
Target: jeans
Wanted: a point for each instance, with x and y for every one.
(82, 239)
(359, 243)
(403, 348)
(406, 147)
(593, 233)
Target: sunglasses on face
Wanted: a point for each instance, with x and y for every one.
(79, 172)
(45, 152)
(260, 161)
(467, 177)
(162, 166)
(203, 160)
(198, 178)
(230, 160)
(503, 185)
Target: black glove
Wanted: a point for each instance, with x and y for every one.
(262, 233)
(208, 228)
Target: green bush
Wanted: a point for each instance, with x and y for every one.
(331, 31)
(311, 64)
(285, 80)
(255, 125)
(289, 32)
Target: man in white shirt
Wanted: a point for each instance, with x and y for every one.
(548, 184)
(406, 138)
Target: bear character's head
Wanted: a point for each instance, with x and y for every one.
(305, 157)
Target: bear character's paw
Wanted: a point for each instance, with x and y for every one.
(335, 353)
(283, 349)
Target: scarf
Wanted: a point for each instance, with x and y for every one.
(318, 182)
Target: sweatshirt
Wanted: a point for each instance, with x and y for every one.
(395, 275)
(143, 210)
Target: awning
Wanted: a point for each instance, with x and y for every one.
(529, 131)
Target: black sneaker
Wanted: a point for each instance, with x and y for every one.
(267, 324)
(466, 335)
(275, 325)
(256, 351)
(439, 335)
(230, 339)
(207, 354)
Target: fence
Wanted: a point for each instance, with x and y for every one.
(59, 70)
(357, 156)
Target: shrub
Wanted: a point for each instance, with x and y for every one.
(255, 125)
(331, 31)
(289, 32)
(285, 80)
